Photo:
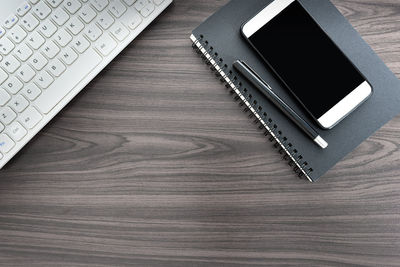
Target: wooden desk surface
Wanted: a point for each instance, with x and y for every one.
(154, 165)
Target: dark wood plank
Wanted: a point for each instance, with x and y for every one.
(154, 165)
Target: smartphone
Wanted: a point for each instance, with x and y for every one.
(307, 61)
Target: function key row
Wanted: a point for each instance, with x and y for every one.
(42, 10)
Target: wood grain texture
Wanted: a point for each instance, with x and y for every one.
(153, 164)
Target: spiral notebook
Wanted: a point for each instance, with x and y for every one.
(219, 42)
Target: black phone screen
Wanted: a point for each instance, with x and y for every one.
(306, 59)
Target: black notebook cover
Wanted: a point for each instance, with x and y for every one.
(220, 43)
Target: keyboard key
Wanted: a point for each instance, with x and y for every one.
(75, 25)
(105, 45)
(19, 104)
(35, 40)
(47, 28)
(29, 22)
(23, 9)
(4, 97)
(30, 118)
(6, 46)
(16, 131)
(17, 34)
(31, 91)
(105, 20)
(132, 19)
(38, 61)
(13, 85)
(34, 1)
(72, 6)
(42, 10)
(60, 16)
(56, 67)
(68, 56)
(43, 80)
(116, 8)
(140, 4)
(10, 21)
(81, 44)
(26, 73)
(62, 37)
(71, 77)
(99, 4)
(1, 130)
(23, 52)
(55, 3)
(50, 49)
(7, 115)
(87, 14)
(10, 64)
(93, 32)
(6, 144)
(147, 10)
(3, 76)
(119, 31)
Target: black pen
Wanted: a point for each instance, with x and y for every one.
(261, 85)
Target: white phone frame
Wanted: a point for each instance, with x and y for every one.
(343, 108)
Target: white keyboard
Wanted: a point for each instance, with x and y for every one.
(51, 49)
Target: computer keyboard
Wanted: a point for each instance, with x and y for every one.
(51, 49)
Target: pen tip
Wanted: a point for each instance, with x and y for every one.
(321, 142)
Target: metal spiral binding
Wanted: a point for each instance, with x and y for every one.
(250, 106)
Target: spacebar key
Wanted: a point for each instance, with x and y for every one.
(68, 80)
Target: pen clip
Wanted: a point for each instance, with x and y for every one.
(256, 74)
